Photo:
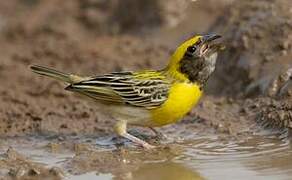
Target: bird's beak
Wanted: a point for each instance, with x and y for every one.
(210, 37)
(212, 45)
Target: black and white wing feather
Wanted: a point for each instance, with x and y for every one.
(147, 90)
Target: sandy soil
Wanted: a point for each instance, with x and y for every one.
(92, 37)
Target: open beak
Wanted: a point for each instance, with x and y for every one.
(210, 37)
(210, 46)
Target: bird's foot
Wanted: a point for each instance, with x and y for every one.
(136, 140)
(158, 134)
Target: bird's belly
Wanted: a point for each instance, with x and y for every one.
(182, 97)
(133, 115)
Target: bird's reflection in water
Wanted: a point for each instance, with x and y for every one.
(162, 171)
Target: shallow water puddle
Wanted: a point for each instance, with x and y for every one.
(257, 156)
(91, 176)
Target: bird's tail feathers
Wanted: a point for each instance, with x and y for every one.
(65, 77)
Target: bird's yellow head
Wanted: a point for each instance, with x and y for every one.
(195, 59)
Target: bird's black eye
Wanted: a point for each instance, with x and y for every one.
(191, 49)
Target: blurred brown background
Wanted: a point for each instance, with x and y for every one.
(97, 36)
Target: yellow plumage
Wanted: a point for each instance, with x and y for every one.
(182, 97)
(174, 62)
(149, 98)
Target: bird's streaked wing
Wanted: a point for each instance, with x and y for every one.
(146, 89)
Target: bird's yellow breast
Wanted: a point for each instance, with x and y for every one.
(182, 97)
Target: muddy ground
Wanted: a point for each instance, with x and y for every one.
(245, 94)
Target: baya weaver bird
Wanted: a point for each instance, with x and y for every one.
(149, 98)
